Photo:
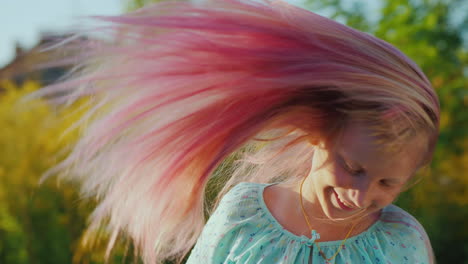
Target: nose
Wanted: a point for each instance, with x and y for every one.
(362, 194)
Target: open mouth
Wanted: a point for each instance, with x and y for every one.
(342, 204)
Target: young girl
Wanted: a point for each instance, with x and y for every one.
(322, 127)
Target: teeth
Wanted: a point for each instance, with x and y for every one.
(339, 198)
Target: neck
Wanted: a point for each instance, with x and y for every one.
(310, 201)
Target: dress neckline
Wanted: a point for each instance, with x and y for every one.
(303, 238)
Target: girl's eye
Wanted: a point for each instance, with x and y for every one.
(354, 172)
(385, 183)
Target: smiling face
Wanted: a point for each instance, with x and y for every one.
(358, 175)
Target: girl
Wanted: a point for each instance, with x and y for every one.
(323, 126)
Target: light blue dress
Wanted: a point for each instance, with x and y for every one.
(243, 231)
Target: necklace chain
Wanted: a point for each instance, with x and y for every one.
(310, 227)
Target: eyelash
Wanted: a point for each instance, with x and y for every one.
(349, 169)
(385, 183)
(357, 172)
(354, 172)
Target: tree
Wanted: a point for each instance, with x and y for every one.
(40, 223)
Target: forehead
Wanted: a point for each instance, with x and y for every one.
(358, 145)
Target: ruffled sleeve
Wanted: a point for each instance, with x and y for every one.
(403, 239)
(241, 230)
(219, 236)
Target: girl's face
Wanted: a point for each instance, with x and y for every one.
(358, 175)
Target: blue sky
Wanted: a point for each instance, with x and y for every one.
(23, 20)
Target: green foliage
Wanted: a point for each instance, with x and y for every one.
(135, 4)
(40, 223)
(36, 224)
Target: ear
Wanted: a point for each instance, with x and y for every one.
(317, 142)
(316, 139)
(313, 142)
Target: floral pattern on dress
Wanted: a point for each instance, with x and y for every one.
(243, 231)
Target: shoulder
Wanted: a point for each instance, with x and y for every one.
(241, 201)
(249, 189)
(242, 191)
(396, 218)
(405, 237)
(236, 207)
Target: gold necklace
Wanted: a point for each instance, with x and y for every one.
(311, 230)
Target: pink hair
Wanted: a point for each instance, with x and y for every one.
(176, 88)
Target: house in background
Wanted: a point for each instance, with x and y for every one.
(31, 64)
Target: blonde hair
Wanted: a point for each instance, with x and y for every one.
(176, 88)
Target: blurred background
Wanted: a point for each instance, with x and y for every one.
(45, 224)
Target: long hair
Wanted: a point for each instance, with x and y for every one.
(177, 88)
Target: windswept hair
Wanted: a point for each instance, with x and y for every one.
(176, 88)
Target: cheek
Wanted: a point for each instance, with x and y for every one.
(338, 177)
(330, 173)
(385, 198)
(330, 176)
